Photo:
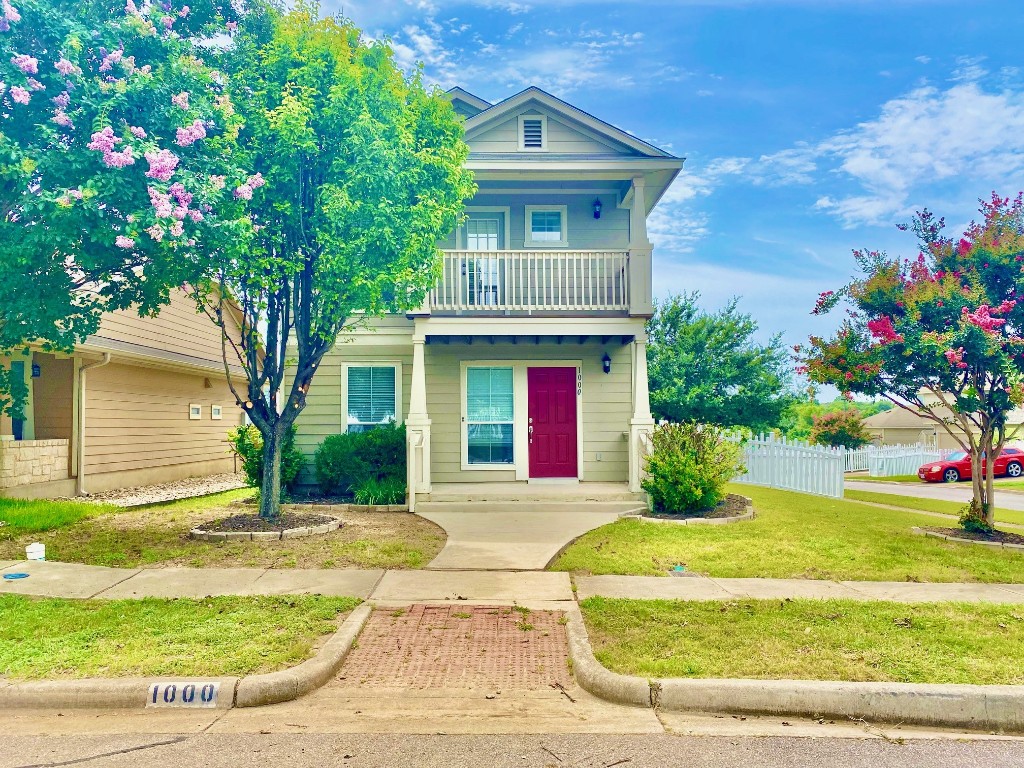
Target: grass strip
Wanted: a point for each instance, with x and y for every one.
(19, 517)
(794, 535)
(970, 643)
(930, 505)
(55, 638)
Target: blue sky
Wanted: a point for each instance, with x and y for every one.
(810, 127)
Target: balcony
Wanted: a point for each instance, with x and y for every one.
(532, 282)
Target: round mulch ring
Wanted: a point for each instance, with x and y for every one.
(996, 538)
(256, 524)
(732, 507)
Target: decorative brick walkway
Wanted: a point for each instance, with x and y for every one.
(460, 647)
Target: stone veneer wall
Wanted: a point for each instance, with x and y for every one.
(25, 462)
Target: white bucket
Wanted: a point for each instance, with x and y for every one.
(35, 552)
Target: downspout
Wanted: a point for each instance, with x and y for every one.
(80, 442)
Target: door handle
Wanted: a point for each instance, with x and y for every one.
(531, 429)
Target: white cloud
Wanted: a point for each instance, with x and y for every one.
(923, 59)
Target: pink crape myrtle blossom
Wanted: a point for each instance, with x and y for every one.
(177, 229)
(955, 357)
(35, 85)
(111, 59)
(67, 68)
(195, 215)
(243, 192)
(10, 12)
(137, 132)
(882, 330)
(168, 22)
(983, 319)
(232, 26)
(161, 203)
(161, 164)
(103, 140)
(156, 232)
(180, 194)
(20, 95)
(256, 181)
(217, 182)
(181, 100)
(26, 63)
(184, 11)
(190, 134)
(62, 100)
(60, 117)
(120, 159)
(124, 242)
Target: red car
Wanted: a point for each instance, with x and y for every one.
(957, 466)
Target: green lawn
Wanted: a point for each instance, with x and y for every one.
(862, 478)
(793, 536)
(974, 643)
(157, 535)
(21, 517)
(931, 505)
(50, 638)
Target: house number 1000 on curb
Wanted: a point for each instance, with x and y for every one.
(183, 694)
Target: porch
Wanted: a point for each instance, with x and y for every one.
(536, 492)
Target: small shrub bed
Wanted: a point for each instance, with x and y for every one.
(247, 443)
(367, 467)
(688, 468)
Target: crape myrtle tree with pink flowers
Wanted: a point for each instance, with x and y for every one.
(358, 172)
(117, 162)
(941, 335)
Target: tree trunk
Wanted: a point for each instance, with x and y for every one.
(977, 481)
(270, 484)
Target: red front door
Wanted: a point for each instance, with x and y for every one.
(552, 407)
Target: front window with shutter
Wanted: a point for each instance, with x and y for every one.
(489, 414)
(371, 396)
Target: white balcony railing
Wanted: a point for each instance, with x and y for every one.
(489, 281)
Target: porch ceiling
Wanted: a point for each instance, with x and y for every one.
(488, 339)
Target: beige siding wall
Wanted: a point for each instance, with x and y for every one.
(607, 400)
(562, 138)
(53, 397)
(179, 329)
(137, 419)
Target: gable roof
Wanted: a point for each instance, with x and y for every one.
(503, 109)
(475, 103)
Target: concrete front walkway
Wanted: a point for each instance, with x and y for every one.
(959, 492)
(540, 590)
(514, 536)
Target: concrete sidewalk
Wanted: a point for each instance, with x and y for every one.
(535, 589)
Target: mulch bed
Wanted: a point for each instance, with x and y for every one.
(732, 505)
(1001, 536)
(255, 523)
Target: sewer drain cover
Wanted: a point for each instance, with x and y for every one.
(15, 576)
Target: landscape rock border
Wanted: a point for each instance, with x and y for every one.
(936, 535)
(288, 533)
(250, 691)
(981, 707)
(335, 509)
(748, 515)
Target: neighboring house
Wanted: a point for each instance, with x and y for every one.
(144, 400)
(528, 360)
(898, 426)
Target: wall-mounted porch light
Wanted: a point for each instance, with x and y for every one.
(597, 208)
(606, 363)
(37, 371)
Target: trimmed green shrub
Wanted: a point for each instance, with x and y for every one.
(688, 467)
(373, 491)
(247, 443)
(345, 463)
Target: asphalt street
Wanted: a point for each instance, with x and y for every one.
(960, 492)
(500, 751)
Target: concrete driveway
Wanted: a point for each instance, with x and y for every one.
(959, 492)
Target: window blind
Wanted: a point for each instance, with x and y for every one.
(371, 395)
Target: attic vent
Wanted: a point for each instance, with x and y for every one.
(532, 133)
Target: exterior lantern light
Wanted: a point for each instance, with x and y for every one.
(606, 363)
(597, 208)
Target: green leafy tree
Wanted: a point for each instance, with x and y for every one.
(843, 428)
(706, 367)
(798, 419)
(939, 335)
(116, 162)
(358, 172)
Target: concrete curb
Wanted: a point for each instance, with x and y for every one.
(288, 684)
(99, 693)
(748, 515)
(251, 691)
(981, 707)
(936, 535)
(199, 534)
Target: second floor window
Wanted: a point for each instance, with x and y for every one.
(546, 226)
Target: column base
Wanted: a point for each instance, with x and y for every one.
(640, 431)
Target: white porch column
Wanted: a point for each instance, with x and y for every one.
(640, 280)
(642, 424)
(417, 425)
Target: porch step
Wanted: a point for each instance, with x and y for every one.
(590, 493)
(545, 507)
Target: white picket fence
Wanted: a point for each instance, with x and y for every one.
(793, 465)
(892, 460)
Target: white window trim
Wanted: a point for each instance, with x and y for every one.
(503, 209)
(396, 364)
(528, 241)
(520, 413)
(543, 133)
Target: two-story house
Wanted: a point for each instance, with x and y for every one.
(527, 363)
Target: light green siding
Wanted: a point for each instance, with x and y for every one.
(563, 137)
